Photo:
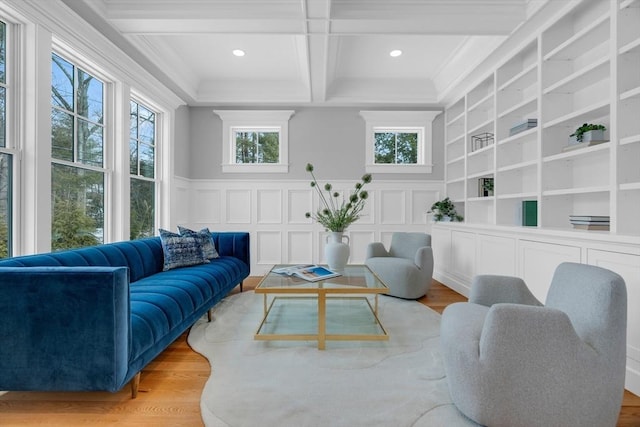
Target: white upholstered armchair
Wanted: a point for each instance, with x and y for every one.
(407, 267)
(510, 361)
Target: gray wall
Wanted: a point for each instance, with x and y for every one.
(182, 139)
(332, 138)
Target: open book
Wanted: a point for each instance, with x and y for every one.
(309, 272)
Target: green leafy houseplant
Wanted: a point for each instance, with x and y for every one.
(444, 208)
(337, 215)
(586, 127)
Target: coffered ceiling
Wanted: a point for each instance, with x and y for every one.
(326, 52)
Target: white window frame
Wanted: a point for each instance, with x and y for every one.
(254, 120)
(400, 121)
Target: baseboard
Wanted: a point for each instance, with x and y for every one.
(452, 282)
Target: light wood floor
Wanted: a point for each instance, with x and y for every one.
(170, 391)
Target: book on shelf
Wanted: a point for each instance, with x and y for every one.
(579, 222)
(308, 272)
(604, 227)
(530, 213)
(589, 218)
(522, 125)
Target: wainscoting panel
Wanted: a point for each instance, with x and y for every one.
(496, 255)
(273, 212)
(269, 207)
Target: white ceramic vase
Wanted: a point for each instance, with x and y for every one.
(336, 252)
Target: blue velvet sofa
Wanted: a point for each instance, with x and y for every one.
(93, 318)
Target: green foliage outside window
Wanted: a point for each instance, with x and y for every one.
(142, 139)
(257, 147)
(396, 147)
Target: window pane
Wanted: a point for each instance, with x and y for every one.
(133, 156)
(147, 129)
(3, 51)
(3, 117)
(246, 147)
(5, 204)
(142, 208)
(146, 154)
(89, 94)
(133, 123)
(385, 151)
(89, 143)
(62, 75)
(61, 135)
(77, 197)
(407, 148)
(268, 143)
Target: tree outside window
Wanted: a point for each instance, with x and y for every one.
(396, 147)
(6, 158)
(142, 143)
(77, 151)
(257, 146)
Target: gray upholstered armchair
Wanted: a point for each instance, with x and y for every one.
(407, 267)
(510, 361)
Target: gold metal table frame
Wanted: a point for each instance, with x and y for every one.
(348, 294)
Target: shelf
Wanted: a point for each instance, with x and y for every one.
(529, 195)
(522, 75)
(580, 152)
(630, 47)
(480, 174)
(582, 41)
(584, 114)
(455, 119)
(518, 136)
(454, 181)
(630, 186)
(582, 190)
(481, 199)
(456, 160)
(480, 151)
(630, 139)
(629, 3)
(518, 106)
(521, 165)
(453, 141)
(472, 131)
(582, 78)
(479, 104)
(631, 93)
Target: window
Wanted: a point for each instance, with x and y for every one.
(142, 155)
(398, 141)
(255, 141)
(77, 151)
(6, 156)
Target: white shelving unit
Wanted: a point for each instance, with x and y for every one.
(584, 67)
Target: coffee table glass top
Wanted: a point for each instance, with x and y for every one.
(353, 279)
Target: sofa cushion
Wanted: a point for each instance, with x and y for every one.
(181, 251)
(205, 238)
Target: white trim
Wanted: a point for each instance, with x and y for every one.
(245, 119)
(399, 120)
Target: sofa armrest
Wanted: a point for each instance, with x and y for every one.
(490, 289)
(235, 244)
(64, 328)
(376, 249)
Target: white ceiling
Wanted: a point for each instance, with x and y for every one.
(325, 52)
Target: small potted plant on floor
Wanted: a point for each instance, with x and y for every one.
(444, 210)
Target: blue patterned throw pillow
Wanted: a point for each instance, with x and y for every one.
(206, 240)
(181, 251)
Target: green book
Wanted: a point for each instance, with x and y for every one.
(530, 213)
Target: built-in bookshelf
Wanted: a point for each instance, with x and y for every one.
(583, 67)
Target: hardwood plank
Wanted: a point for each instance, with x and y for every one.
(170, 390)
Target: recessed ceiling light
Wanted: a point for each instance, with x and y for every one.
(396, 52)
(238, 52)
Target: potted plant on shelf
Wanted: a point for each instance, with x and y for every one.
(444, 210)
(588, 132)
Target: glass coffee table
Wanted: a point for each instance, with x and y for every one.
(340, 308)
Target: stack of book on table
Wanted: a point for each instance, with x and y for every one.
(590, 222)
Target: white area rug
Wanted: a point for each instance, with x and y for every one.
(400, 382)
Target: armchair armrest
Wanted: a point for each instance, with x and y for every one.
(492, 289)
(376, 249)
(424, 259)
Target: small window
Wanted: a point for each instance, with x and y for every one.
(255, 141)
(398, 141)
